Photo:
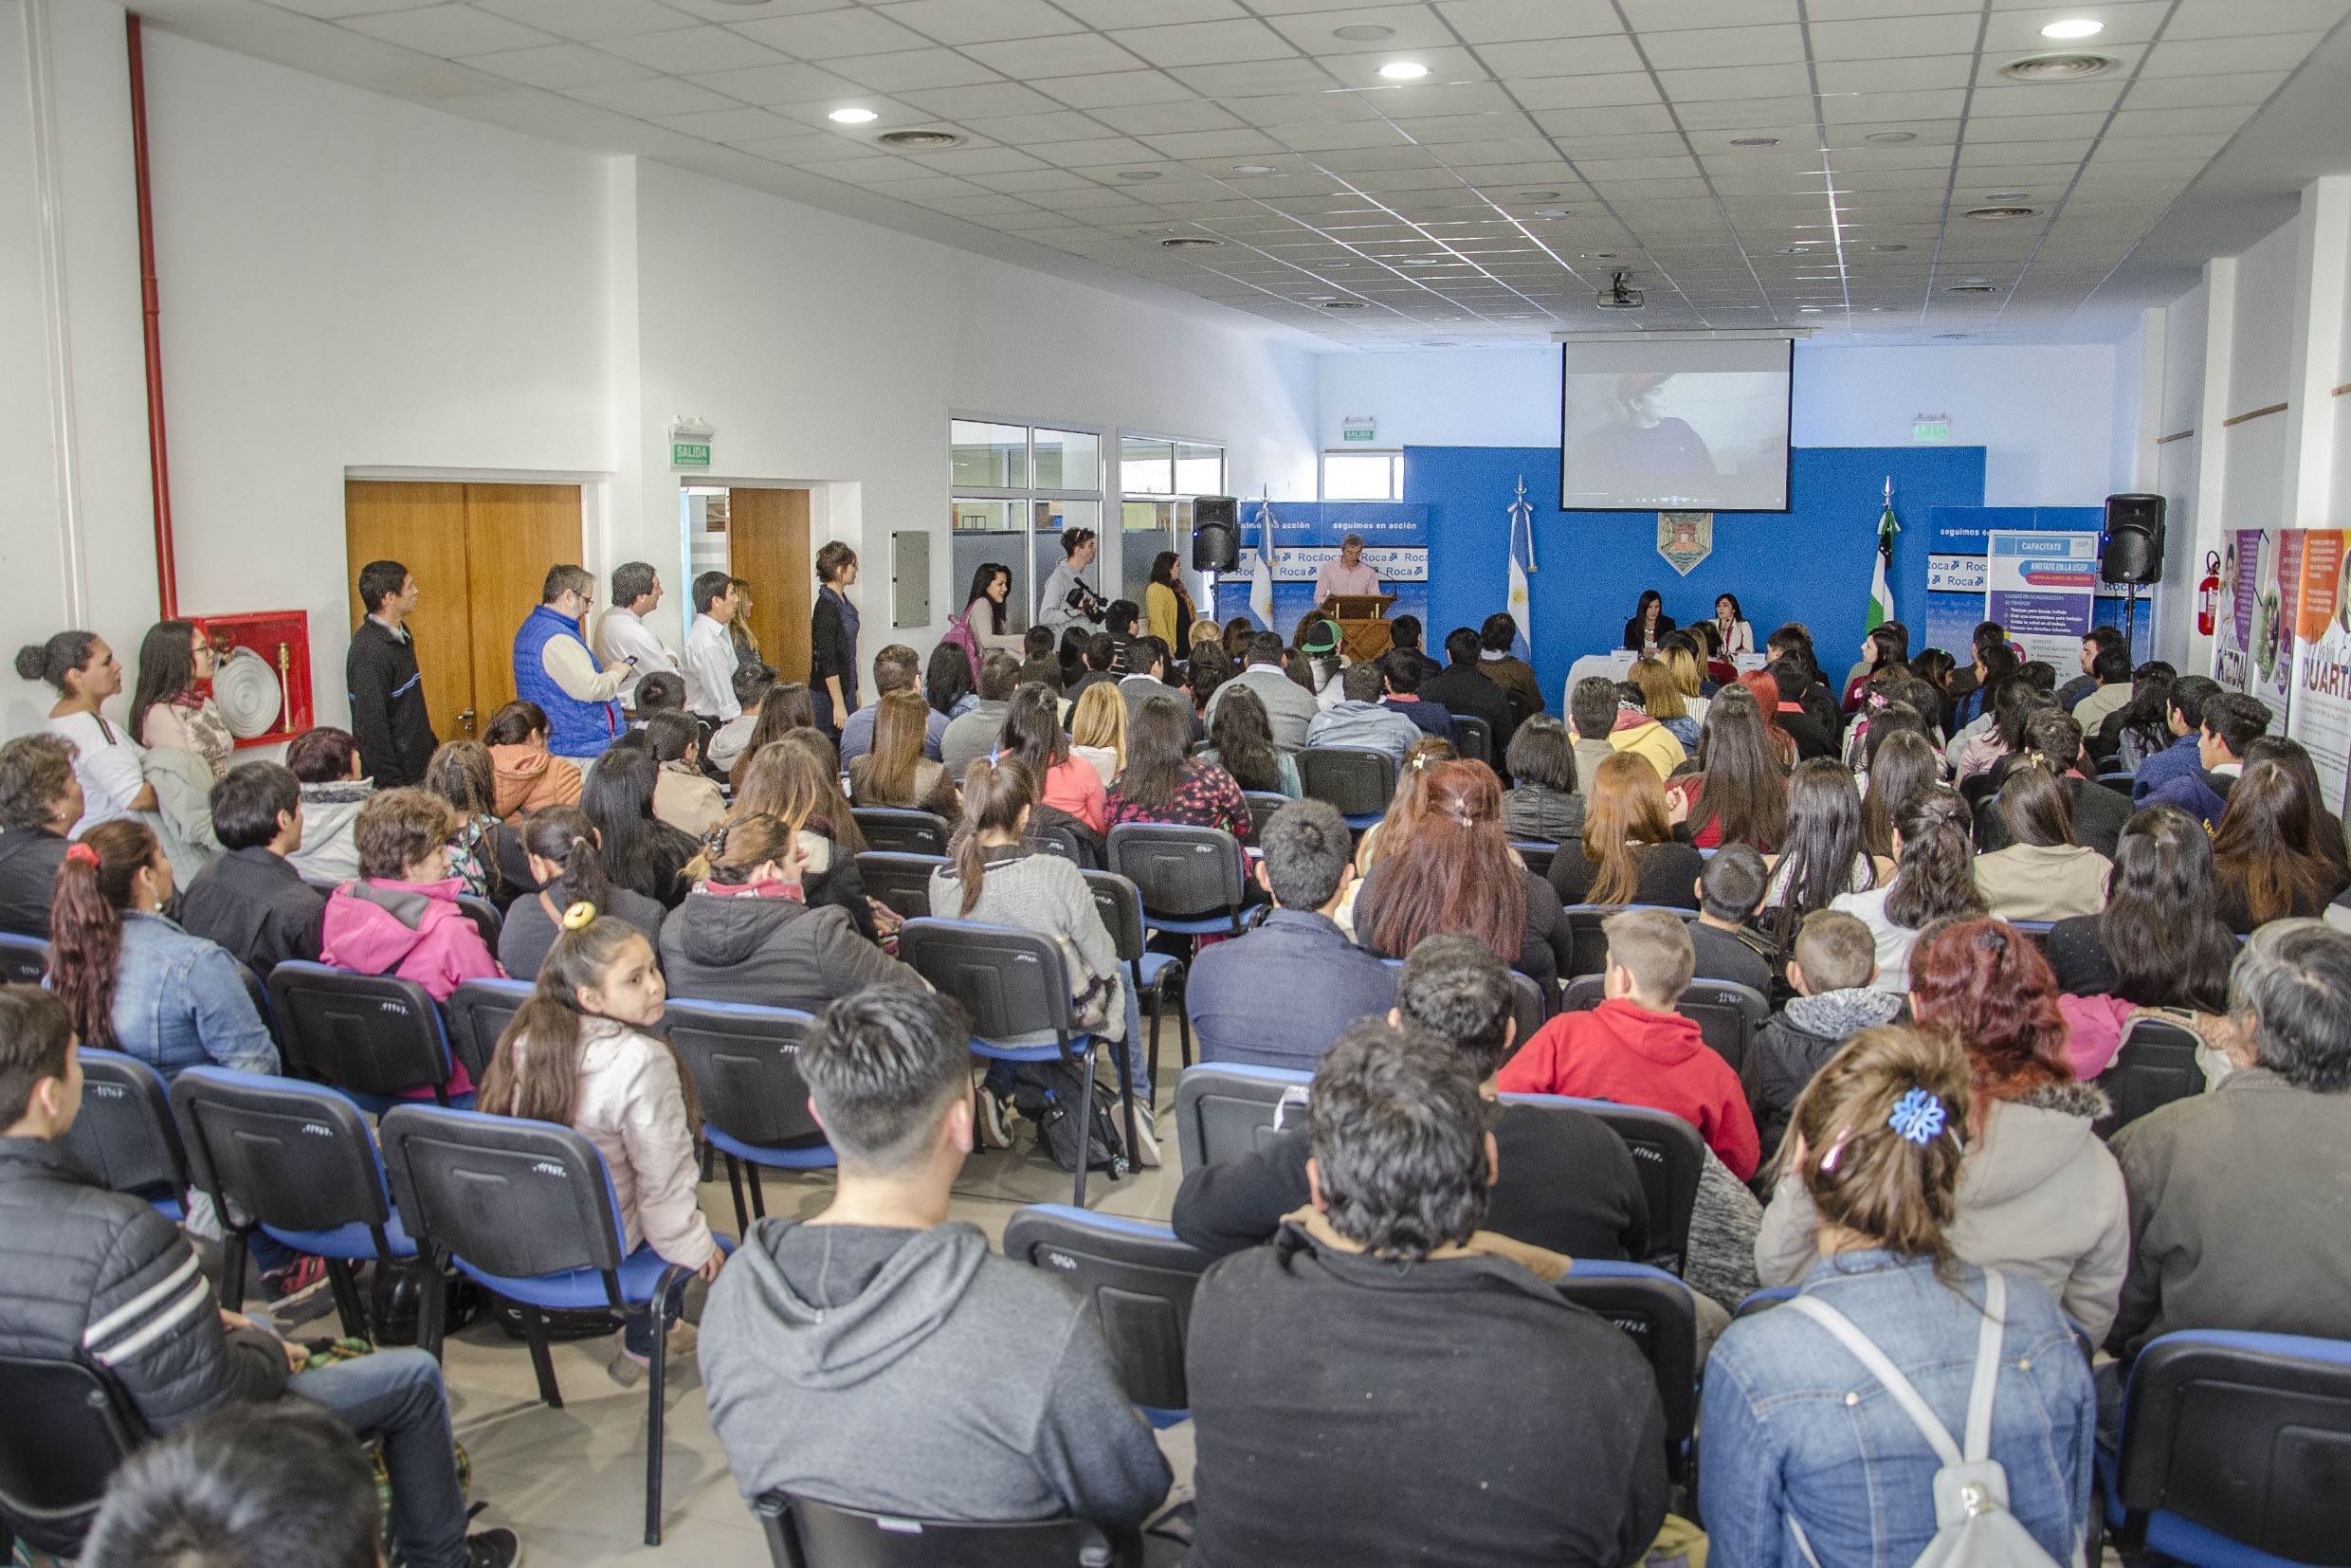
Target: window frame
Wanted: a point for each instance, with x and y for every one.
(1396, 472)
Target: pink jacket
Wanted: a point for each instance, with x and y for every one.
(414, 930)
(2094, 1027)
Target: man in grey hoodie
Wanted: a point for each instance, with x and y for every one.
(879, 1356)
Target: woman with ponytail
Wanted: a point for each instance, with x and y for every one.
(1934, 878)
(132, 979)
(567, 862)
(582, 1053)
(1455, 870)
(1802, 1438)
(106, 759)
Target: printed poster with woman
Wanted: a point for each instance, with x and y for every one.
(2320, 715)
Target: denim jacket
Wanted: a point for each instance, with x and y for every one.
(179, 1001)
(1795, 1426)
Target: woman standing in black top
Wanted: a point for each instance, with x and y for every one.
(2160, 941)
(833, 640)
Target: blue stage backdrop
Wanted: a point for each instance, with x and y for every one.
(1307, 533)
(1811, 563)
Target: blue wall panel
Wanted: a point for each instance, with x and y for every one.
(1811, 564)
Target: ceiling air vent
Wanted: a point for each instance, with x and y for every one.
(1190, 242)
(2002, 214)
(918, 141)
(1343, 304)
(2059, 65)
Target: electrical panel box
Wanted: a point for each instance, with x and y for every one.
(260, 673)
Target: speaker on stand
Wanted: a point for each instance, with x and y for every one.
(1215, 545)
(2131, 550)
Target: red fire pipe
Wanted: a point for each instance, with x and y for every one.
(167, 573)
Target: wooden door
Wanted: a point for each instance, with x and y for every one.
(480, 554)
(768, 546)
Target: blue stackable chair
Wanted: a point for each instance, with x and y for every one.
(1189, 878)
(526, 1209)
(124, 1133)
(804, 1533)
(1659, 1314)
(477, 1013)
(374, 1038)
(1588, 954)
(23, 960)
(754, 1102)
(1228, 1109)
(1357, 781)
(1157, 978)
(1138, 1278)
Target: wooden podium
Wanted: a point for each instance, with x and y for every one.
(1361, 633)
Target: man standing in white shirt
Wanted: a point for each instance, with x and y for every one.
(710, 651)
(1347, 575)
(553, 668)
(623, 639)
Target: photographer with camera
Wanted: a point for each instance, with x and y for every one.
(1066, 600)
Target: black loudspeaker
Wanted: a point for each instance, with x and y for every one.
(1215, 534)
(2134, 543)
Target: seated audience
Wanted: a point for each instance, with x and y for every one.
(892, 771)
(2014, 704)
(2183, 717)
(993, 878)
(2140, 727)
(2326, 826)
(1407, 805)
(1738, 791)
(101, 1276)
(326, 763)
(641, 853)
(577, 1053)
(133, 980)
(772, 709)
(2038, 1193)
(1098, 732)
(1730, 889)
(683, 796)
(2235, 1195)
(2044, 875)
(1402, 673)
(462, 774)
(2266, 864)
(1204, 672)
(1075, 640)
(559, 846)
(1826, 853)
(171, 707)
(1662, 701)
(1629, 854)
(1934, 880)
(1386, 1368)
(2233, 722)
(982, 1392)
(744, 933)
(1148, 676)
(1360, 720)
(2099, 813)
(1832, 969)
(659, 691)
(1453, 869)
(1543, 805)
(2110, 673)
(39, 801)
(1563, 1181)
(978, 730)
(947, 680)
(1794, 680)
(1244, 995)
(107, 760)
(1496, 634)
(2160, 941)
(1463, 688)
(1591, 718)
(1635, 1049)
(529, 776)
(1635, 732)
(1899, 762)
(793, 780)
(1789, 1446)
(1765, 691)
(1101, 655)
(1243, 747)
(251, 901)
(1404, 637)
(897, 668)
(1289, 707)
(1163, 782)
(1032, 734)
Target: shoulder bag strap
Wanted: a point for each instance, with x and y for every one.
(1987, 1366)
(1888, 1375)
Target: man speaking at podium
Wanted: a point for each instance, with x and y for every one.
(1345, 575)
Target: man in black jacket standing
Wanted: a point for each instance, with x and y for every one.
(99, 1276)
(388, 716)
(251, 901)
(1386, 1374)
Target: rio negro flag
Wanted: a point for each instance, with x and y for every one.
(1521, 564)
(1881, 592)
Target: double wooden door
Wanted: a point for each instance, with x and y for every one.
(767, 544)
(480, 554)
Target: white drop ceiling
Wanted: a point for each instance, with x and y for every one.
(1552, 144)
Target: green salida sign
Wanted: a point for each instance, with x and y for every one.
(689, 454)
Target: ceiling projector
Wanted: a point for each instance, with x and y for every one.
(1617, 297)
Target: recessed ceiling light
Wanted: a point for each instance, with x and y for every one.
(1363, 32)
(1252, 168)
(1404, 70)
(919, 140)
(1795, 250)
(852, 117)
(2065, 67)
(2000, 214)
(1190, 242)
(1139, 174)
(2080, 26)
(1521, 316)
(1551, 213)
(1891, 136)
(1890, 247)
(1808, 310)
(1755, 141)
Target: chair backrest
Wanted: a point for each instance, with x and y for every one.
(2247, 1435)
(1587, 942)
(900, 881)
(1053, 838)
(1262, 804)
(1668, 1155)
(1009, 982)
(1526, 1007)
(1477, 738)
(23, 960)
(485, 916)
(2156, 1066)
(1121, 905)
(743, 1061)
(477, 1013)
(369, 1033)
(902, 832)
(258, 994)
(1659, 1313)
(512, 1197)
(64, 1427)
(289, 1155)
(802, 1534)
(1182, 873)
(1728, 1015)
(124, 1133)
(1228, 1109)
(1138, 1278)
(1357, 781)
(1537, 856)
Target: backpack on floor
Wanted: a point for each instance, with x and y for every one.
(1048, 1094)
(1973, 1526)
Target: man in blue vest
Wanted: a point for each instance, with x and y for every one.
(554, 667)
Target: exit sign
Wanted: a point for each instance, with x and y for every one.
(1931, 427)
(1358, 428)
(689, 454)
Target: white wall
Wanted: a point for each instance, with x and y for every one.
(2045, 414)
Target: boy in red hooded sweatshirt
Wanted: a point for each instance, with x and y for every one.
(402, 917)
(1635, 1050)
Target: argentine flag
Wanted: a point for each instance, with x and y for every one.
(1261, 573)
(1521, 564)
